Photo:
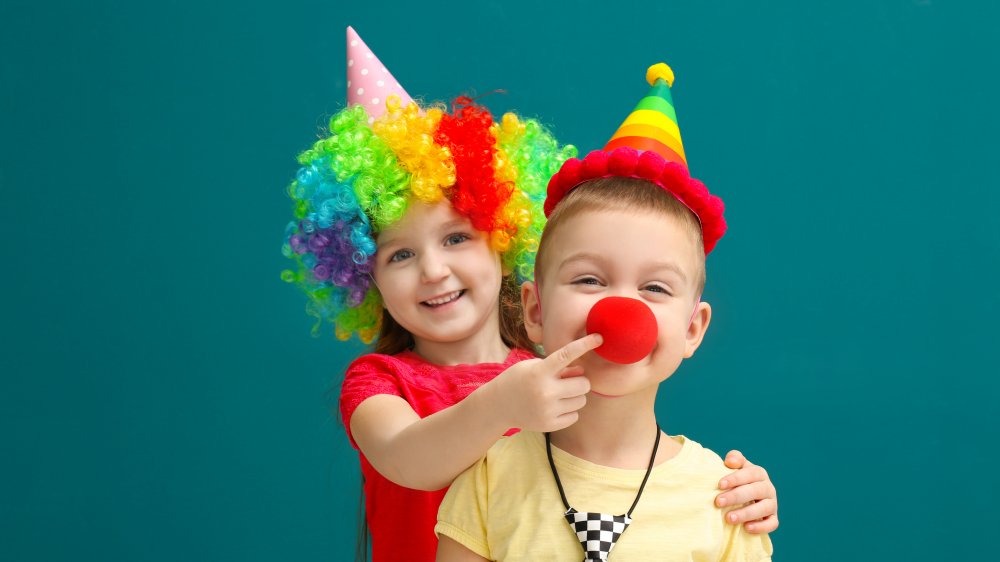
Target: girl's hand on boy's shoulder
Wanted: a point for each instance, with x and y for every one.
(750, 483)
(544, 394)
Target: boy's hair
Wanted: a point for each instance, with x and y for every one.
(623, 194)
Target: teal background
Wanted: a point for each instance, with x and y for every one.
(162, 399)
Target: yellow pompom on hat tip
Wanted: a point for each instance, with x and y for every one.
(658, 71)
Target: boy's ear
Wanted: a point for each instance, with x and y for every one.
(696, 330)
(532, 309)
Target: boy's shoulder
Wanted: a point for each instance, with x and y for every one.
(514, 455)
(696, 457)
(518, 444)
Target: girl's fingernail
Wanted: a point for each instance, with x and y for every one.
(722, 502)
(724, 483)
(732, 518)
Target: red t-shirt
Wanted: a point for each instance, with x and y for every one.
(401, 520)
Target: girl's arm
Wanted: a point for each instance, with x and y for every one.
(428, 453)
(749, 483)
(450, 550)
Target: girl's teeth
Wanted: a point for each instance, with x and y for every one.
(442, 300)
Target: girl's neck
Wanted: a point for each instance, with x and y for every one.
(616, 432)
(483, 347)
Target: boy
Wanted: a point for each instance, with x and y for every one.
(626, 222)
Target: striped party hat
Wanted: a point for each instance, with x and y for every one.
(647, 146)
(652, 125)
(369, 83)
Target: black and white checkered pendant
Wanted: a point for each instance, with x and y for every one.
(597, 532)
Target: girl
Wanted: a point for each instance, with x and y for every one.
(419, 226)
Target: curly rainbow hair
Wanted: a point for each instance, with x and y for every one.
(357, 180)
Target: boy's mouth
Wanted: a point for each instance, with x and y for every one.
(443, 299)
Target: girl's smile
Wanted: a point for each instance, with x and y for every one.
(443, 300)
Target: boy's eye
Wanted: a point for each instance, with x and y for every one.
(657, 289)
(456, 238)
(587, 281)
(400, 255)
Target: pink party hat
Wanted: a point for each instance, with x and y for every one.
(368, 81)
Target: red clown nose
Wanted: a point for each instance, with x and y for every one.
(627, 326)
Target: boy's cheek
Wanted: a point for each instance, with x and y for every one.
(561, 329)
(555, 335)
(561, 326)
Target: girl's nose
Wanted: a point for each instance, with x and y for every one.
(433, 268)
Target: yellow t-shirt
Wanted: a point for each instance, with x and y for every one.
(507, 507)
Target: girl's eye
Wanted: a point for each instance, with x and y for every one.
(456, 238)
(400, 255)
(587, 281)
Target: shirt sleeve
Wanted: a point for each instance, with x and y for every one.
(741, 546)
(368, 376)
(463, 513)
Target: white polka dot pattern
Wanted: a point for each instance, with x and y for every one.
(364, 87)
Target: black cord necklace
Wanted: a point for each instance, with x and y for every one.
(598, 532)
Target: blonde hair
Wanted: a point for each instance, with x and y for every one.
(624, 194)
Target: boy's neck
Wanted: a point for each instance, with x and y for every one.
(482, 347)
(616, 432)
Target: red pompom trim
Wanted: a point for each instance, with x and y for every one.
(628, 162)
(595, 163)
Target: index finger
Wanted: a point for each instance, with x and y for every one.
(572, 351)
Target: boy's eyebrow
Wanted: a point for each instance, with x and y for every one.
(600, 259)
(670, 266)
(582, 256)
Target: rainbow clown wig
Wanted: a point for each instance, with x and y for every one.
(381, 154)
